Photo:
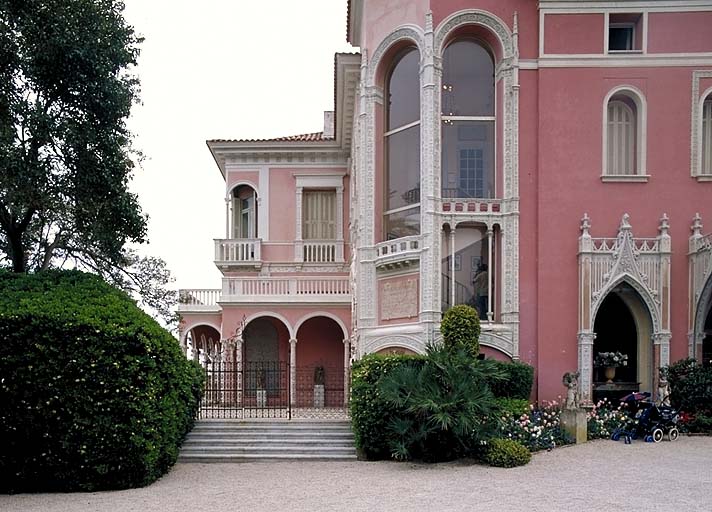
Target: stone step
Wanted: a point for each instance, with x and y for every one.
(234, 441)
(207, 439)
(217, 458)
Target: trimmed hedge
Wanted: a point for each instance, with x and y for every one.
(95, 394)
(518, 381)
(371, 415)
(461, 329)
(506, 453)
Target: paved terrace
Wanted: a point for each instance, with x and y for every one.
(602, 475)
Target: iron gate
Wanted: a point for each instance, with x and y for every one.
(261, 389)
(256, 389)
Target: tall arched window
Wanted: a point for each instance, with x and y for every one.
(624, 118)
(707, 136)
(402, 148)
(468, 121)
(244, 211)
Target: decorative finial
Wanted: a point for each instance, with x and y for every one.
(585, 225)
(625, 224)
(664, 226)
(697, 225)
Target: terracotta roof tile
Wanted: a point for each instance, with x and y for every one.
(304, 137)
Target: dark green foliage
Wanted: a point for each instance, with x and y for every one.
(505, 453)
(95, 394)
(513, 407)
(460, 328)
(691, 392)
(65, 151)
(442, 409)
(370, 413)
(517, 382)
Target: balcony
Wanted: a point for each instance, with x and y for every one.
(319, 289)
(238, 252)
(397, 253)
(319, 251)
(198, 300)
(471, 205)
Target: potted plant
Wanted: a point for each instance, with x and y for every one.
(610, 361)
(319, 386)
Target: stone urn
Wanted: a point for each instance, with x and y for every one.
(610, 373)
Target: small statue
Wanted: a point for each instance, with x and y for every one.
(663, 388)
(319, 376)
(570, 380)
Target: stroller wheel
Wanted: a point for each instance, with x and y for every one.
(657, 435)
(673, 434)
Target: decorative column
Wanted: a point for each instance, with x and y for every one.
(490, 267)
(228, 217)
(452, 266)
(298, 242)
(586, 335)
(339, 256)
(347, 368)
(430, 257)
(293, 372)
(662, 339)
(239, 369)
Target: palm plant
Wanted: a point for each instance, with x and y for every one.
(446, 409)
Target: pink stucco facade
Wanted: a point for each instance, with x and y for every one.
(598, 211)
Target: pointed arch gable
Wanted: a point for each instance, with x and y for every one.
(640, 289)
(316, 314)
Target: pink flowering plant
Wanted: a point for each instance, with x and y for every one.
(538, 429)
(604, 418)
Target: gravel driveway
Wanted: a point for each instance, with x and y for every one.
(601, 475)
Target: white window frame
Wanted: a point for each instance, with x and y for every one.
(641, 119)
(698, 102)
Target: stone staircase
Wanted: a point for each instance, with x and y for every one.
(240, 441)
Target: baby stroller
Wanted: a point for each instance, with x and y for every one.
(647, 420)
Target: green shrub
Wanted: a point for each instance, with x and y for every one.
(691, 390)
(95, 394)
(442, 409)
(506, 453)
(514, 407)
(370, 413)
(517, 382)
(460, 328)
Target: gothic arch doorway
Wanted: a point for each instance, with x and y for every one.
(624, 324)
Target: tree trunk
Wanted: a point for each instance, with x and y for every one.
(17, 252)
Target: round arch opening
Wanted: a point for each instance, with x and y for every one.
(623, 324)
(320, 370)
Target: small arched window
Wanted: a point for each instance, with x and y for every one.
(707, 136)
(402, 147)
(468, 121)
(244, 212)
(621, 137)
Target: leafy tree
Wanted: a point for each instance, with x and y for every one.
(66, 90)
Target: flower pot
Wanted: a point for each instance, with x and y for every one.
(610, 373)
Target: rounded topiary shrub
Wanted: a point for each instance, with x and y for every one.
(95, 394)
(506, 453)
(460, 328)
